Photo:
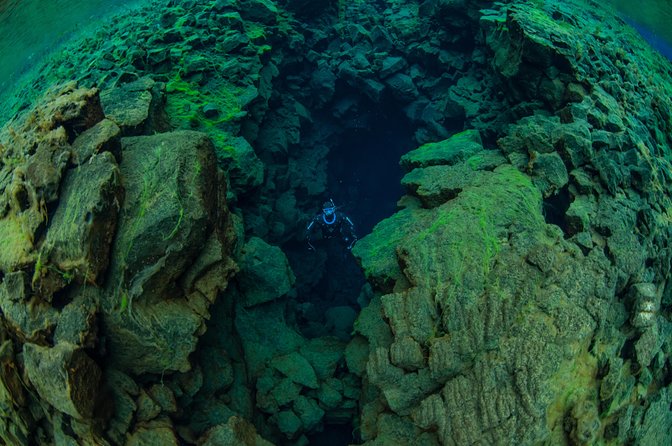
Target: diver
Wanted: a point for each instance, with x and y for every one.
(331, 224)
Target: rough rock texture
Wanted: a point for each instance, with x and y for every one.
(264, 274)
(519, 295)
(504, 326)
(120, 274)
(65, 376)
(170, 182)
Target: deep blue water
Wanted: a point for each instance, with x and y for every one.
(653, 38)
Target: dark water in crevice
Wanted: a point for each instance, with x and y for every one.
(363, 179)
(334, 435)
(363, 171)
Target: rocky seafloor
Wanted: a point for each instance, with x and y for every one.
(155, 179)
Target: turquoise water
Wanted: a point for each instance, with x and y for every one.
(31, 29)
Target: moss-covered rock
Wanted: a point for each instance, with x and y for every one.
(450, 151)
(162, 228)
(65, 376)
(265, 273)
(78, 243)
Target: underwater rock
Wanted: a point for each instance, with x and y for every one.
(574, 143)
(406, 352)
(148, 409)
(36, 152)
(30, 318)
(155, 432)
(646, 303)
(264, 334)
(288, 423)
(78, 321)
(236, 432)
(133, 106)
(102, 137)
(240, 162)
(474, 294)
(14, 426)
(65, 376)
(654, 422)
(264, 274)
(402, 87)
(435, 185)
(264, 11)
(297, 368)
(449, 152)
(548, 172)
(125, 392)
(455, 335)
(648, 345)
(165, 221)
(74, 108)
(308, 411)
(78, 242)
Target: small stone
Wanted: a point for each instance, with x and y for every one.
(210, 111)
(288, 423)
(297, 368)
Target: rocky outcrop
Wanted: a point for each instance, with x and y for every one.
(148, 278)
(110, 267)
(579, 305)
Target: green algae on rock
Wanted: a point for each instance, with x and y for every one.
(521, 293)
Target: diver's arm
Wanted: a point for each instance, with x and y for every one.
(309, 233)
(351, 236)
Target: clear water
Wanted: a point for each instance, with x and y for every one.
(31, 29)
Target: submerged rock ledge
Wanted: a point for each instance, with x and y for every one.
(519, 294)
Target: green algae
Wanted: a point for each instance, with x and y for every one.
(453, 246)
(185, 102)
(16, 245)
(471, 230)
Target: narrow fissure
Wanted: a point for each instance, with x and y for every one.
(363, 180)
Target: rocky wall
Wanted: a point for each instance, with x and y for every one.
(520, 293)
(518, 333)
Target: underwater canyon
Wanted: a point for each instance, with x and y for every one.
(507, 168)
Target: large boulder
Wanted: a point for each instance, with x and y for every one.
(265, 273)
(165, 223)
(65, 376)
(467, 301)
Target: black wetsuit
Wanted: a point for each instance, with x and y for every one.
(338, 225)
